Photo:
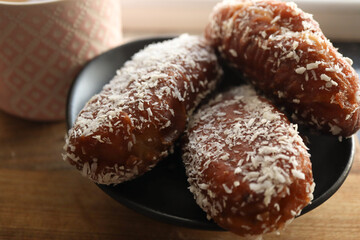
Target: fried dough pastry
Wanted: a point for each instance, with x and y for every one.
(247, 167)
(284, 54)
(123, 131)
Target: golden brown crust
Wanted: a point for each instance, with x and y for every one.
(248, 168)
(284, 54)
(123, 131)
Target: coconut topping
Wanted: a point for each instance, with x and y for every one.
(134, 113)
(263, 152)
(281, 48)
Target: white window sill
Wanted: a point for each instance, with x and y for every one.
(339, 19)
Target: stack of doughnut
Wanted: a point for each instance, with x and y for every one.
(247, 166)
(284, 54)
(128, 127)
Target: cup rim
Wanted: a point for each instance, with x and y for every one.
(27, 3)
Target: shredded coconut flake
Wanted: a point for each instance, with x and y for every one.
(325, 77)
(300, 70)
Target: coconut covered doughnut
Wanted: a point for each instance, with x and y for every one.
(123, 131)
(247, 167)
(284, 53)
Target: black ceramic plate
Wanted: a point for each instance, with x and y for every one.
(163, 192)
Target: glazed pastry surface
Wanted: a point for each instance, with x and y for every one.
(284, 54)
(247, 167)
(128, 127)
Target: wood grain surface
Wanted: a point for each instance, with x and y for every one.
(42, 197)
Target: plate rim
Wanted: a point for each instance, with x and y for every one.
(336, 185)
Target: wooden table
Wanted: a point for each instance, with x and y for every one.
(42, 197)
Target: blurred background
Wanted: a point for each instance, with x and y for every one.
(339, 19)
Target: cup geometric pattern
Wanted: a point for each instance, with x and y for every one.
(44, 45)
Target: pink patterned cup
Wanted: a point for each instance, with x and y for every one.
(44, 44)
